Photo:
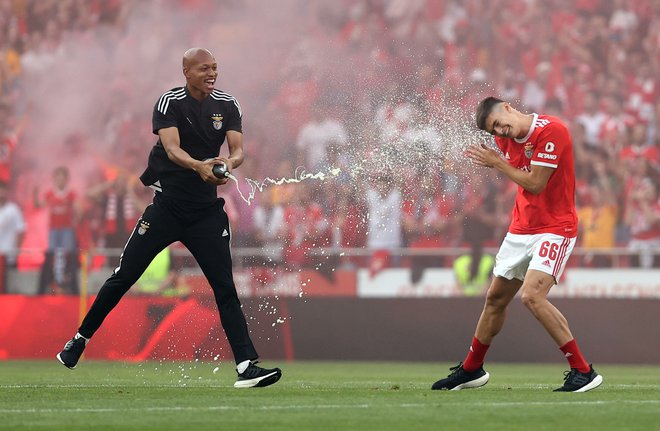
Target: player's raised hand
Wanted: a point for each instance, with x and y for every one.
(483, 155)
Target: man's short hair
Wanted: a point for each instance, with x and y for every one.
(484, 109)
(61, 170)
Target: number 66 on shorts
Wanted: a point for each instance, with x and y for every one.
(545, 252)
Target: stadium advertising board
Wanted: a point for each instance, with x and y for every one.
(578, 283)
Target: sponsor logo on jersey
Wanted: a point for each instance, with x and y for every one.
(217, 121)
(529, 150)
(225, 233)
(547, 156)
(506, 156)
(142, 228)
(546, 262)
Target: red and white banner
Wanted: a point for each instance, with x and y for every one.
(435, 282)
(258, 282)
(397, 283)
(576, 283)
(609, 283)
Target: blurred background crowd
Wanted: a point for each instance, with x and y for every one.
(384, 90)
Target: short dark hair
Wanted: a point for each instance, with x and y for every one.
(484, 109)
(62, 169)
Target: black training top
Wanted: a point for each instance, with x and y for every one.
(202, 129)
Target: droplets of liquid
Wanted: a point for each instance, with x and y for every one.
(300, 175)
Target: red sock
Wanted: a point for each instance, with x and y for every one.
(574, 356)
(476, 355)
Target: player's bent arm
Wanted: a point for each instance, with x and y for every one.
(533, 181)
(235, 144)
(169, 137)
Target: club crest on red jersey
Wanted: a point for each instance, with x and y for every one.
(217, 121)
(529, 150)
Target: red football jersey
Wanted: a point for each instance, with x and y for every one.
(7, 145)
(548, 144)
(61, 207)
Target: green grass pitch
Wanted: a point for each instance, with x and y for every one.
(43, 395)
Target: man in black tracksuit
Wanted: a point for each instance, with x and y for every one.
(192, 123)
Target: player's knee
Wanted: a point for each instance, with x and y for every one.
(531, 299)
(533, 294)
(496, 299)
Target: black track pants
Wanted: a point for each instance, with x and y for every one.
(207, 236)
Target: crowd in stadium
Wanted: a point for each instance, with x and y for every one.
(371, 88)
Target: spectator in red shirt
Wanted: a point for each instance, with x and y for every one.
(59, 270)
(8, 142)
(61, 201)
(643, 216)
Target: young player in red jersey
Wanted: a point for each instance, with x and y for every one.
(537, 154)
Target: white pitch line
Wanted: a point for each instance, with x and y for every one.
(325, 406)
(199, 384)
(116, 386)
